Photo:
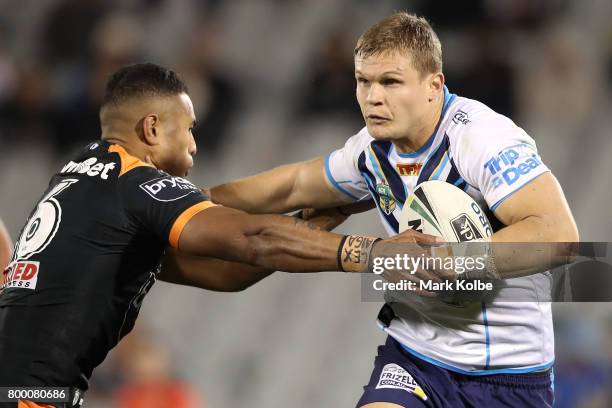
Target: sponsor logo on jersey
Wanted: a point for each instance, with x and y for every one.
(464, 228)
(395, 377)
(21, 275)
(90, 167)
(409, 169)
(169, 188)
(386, 200)
(511, 164)
(461, 117)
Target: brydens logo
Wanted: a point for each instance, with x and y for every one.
(512, 163)
(168, 188)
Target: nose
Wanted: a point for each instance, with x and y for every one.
(193, 148)
(375, 94)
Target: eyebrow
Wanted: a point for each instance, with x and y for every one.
(396, 72)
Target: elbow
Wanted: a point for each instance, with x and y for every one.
(569, 232)
(255, 250)
(568, 239)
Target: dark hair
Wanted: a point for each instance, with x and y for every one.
(138, 80)
(403, 31)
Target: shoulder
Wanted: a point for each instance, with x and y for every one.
(156, 184)
(471, 126)
(359, 141)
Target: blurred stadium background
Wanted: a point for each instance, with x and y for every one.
(272, 83)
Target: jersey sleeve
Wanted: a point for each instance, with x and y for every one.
(342, 171)
(498, 158)
(160, 203)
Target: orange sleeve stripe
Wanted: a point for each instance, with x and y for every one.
(183, 219)
(128, 162)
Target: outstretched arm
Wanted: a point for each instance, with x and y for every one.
(281, 190)
(278, 242)
(226, 276)
(209, 273)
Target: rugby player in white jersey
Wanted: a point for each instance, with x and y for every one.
(436, 355)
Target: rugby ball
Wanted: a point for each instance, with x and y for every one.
(441, 209)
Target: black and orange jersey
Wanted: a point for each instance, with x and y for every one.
(86, 257)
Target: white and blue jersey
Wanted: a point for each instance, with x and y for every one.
(490, 158)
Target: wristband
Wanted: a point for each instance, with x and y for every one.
(354, 252)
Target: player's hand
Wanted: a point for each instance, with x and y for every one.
(330, 218)
(327, 219)
(416, 237)
(407, 246)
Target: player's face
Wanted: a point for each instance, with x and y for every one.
(177, 145)
(394, 98)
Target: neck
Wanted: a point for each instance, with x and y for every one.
(417, 139)
(132, 148)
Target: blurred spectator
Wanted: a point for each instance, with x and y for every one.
(330, 90)
(7, 68)
(215, 94)
(114, 42)
(25, 112)
(148, 380)
(503, 14)
(5, 248)
(443, 14)
(583, 370)
(488, 76)
(562, 58)
(67, 30)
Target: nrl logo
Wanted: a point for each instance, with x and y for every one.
(386, 199)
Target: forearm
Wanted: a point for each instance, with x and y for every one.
(273, 242)
(209, 273)
(533, 245)
(540, 227)
(291, 245)
(268, 192)
(281, 190)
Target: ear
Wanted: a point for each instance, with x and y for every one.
(436, 84)
(150, 129)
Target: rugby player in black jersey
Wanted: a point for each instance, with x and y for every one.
(118, 216)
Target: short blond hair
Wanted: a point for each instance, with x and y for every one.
(402, 32)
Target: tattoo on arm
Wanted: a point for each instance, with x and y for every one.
(355, 252)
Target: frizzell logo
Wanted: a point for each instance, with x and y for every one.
(464, 228)
(168, 188)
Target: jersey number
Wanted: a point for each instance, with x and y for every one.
(43, 224)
